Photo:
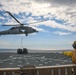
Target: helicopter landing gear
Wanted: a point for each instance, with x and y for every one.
(26, 34)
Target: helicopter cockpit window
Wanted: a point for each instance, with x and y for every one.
(12, 28)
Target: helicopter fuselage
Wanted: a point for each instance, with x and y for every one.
(19, 30)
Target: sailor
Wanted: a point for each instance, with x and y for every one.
(74, 53)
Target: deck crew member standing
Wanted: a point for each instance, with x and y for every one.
(74, 53)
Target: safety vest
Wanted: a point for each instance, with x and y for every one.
(74, 56)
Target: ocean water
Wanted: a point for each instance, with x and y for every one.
(12, 60)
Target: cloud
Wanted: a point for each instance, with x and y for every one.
(63, 10)
(2, 18)
(61, 33)
(53, 24)
(58, 2)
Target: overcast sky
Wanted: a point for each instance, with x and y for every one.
(58, 32)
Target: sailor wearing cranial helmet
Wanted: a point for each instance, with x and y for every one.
(72, 54)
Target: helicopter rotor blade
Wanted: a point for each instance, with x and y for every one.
(11, 25)
(35, 22)
(13, 17)
(19, 21)
(24, 24)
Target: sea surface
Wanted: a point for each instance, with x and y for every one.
(12, 60)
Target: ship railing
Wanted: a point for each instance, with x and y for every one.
(44, 70)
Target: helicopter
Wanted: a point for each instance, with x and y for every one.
(18, 29)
